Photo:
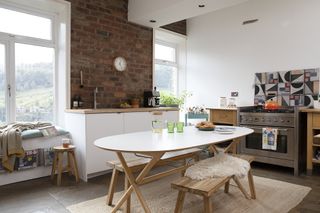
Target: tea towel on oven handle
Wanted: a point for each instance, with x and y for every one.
(269, 138)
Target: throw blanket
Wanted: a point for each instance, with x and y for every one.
(10, 142)
(221, 165)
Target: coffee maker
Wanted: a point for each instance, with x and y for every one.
(151, 98)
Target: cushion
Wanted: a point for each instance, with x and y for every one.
(36, 133)
(221, 165)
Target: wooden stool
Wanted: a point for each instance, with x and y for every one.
(57, 165)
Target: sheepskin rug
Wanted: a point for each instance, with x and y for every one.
(221, 165)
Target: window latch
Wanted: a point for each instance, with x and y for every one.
(9, 90)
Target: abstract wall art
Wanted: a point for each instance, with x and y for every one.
(288, 88)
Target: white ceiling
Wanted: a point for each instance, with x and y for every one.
(169, 11)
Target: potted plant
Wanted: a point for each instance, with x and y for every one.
(169, 100)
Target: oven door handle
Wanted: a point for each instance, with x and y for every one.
(260, 128)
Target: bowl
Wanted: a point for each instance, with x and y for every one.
(206, 129)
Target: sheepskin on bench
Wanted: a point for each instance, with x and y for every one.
(221, 165)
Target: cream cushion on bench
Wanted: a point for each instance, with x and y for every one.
(221, 165)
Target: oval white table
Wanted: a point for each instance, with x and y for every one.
(156, 145)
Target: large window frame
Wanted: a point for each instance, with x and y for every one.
(174, 64)
(9, 40)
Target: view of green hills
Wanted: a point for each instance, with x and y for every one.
(34, 92)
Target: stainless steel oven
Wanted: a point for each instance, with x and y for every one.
(252, 144)
(286, 121)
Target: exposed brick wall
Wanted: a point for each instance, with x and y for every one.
(178, 27)
(99, 33)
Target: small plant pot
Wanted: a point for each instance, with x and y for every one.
(135, 103)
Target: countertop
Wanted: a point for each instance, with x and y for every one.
(219, 108)
(120, 110)
(310, 110)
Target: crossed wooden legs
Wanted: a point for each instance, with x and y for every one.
(135, 182)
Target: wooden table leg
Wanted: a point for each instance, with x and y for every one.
(244, 192)
(135, 182)
(112, 186)
(128, 202)
(251, 185)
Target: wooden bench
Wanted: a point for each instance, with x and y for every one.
(206, 188)
(138, 163)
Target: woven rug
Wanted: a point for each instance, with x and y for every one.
(272, 196)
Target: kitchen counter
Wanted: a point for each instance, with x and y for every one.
(313, 127)
(120, 110)
(219, 108)
(310, 110)
(87, 125)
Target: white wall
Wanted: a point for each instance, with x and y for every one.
(223, 54)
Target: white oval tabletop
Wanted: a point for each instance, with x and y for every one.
(165, 142)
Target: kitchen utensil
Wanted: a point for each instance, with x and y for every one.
(271, 105)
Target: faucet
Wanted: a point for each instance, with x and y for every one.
(95, 92)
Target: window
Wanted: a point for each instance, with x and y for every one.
(166, 67)
(27, 66)
(34, 78)
(18, 23)
(2, 85)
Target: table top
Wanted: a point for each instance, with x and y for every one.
(148, 141)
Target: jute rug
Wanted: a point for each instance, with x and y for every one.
(272, 196)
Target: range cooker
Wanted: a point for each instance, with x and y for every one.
(286, 121)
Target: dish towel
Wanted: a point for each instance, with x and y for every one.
(269, 138)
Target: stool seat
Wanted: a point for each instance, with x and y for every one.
(57, 165)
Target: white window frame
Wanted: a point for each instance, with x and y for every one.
(9, 40)
(166, 62)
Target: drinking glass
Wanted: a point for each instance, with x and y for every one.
(170, 127)
(157, 126)
(180, 126)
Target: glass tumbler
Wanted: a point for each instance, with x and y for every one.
(157, 126)
(170, 127)
(180, 126)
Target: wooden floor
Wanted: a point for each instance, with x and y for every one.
(41, 196)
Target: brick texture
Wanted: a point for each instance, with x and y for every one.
(178, 27)
(100, 32)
